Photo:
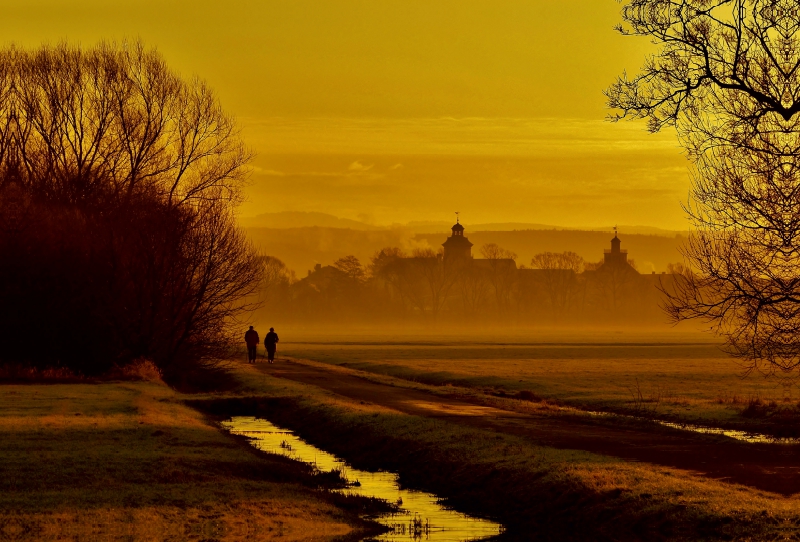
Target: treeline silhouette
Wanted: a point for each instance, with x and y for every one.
(423, 286)
(117, 238)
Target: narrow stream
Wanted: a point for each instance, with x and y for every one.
(421, 516)
(744, 436)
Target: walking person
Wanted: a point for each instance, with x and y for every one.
(271, 343)
(251, 339)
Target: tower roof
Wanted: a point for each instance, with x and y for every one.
(457, 227)
(457, 241)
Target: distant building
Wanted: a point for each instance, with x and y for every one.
(561, 289)
(457, 247)
(615, 256)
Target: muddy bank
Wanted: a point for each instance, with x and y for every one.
(534, 504)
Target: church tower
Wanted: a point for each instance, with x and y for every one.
(615, 256)
(457, 246)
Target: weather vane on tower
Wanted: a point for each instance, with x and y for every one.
(457, 217)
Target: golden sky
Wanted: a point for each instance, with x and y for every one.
(399, 110)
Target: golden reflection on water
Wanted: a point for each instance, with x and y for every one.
(744, 436)
(421, 517)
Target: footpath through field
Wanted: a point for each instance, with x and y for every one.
(769, 467)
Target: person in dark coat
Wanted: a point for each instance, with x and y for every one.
(271, 343)
(251, 339)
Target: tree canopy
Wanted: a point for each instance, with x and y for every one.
(118, 180)
(727, 76)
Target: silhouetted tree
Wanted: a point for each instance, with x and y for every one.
(474, 287)
(351, 266)
(615, 289)
(122, 177)
(726, 76)
(390, 265)
(438, 277)
(275, 273)
(558, 278)
(501, 274)
(274, 294)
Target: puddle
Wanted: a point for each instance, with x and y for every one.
(744, 436)
(421, 517)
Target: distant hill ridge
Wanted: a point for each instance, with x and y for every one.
(302, 219)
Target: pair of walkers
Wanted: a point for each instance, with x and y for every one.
(270, 343)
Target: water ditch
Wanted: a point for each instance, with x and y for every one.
(421, 515)
(744, 436)
(736, 434)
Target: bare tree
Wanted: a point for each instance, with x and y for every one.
(351, 266)
(276, 279)
(438, 276)
(726, 76)
(389, 265)
(142, 168)
(614, 288)
(274, 273)
(558, 278)
(502, 274)
(474, 286)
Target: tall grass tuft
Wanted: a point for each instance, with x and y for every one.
(11, 372)
(140, 369)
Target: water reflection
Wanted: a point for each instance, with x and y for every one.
(421, 516)
(744, 436)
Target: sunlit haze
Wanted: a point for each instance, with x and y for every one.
(398, 111)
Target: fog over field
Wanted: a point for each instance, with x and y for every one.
(322, 240)
(400, 270)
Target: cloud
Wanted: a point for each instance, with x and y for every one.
(358, 166)
(468, 136)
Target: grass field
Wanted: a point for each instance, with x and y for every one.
(128, 460)
(678, 376)
(538, 491)
(131, 460)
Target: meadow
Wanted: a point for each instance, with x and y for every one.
(138, 460)
(674, 375)
(536, 490)
(128, 460)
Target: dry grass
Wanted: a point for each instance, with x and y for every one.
(512, 478)
(128, 460)
(24, 373)
(140, 369)
(239, 521)
(675, 377)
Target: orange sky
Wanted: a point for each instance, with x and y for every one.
(399, 110)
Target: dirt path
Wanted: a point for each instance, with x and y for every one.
(770, 467)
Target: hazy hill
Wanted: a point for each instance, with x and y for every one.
(441, 226)
(301, 248)
(299, 219)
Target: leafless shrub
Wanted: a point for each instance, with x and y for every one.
(140, 369)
